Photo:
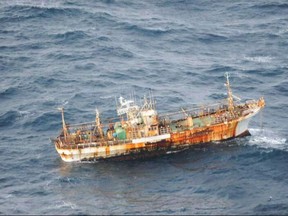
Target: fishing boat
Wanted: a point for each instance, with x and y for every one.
(139, 131)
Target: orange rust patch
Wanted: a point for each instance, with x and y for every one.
(65, 156)
(107, 149)
(206, 134)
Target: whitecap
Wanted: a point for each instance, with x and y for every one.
(24, 114)
(259, 59)
(283, 31)
(267, 139)
(105, 97)
(66, 204)
(40, 4)
(65, 102)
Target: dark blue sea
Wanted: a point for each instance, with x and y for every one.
(81, 54)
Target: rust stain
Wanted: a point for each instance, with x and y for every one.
(107, 150)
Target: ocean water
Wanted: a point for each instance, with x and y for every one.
(81, 54)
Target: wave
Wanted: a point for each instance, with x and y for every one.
(25, 12)
(9, 118)
(5, 31)
(115, 51)
(271, 208)
(210, 38)
(45, 81)
(221, 69)
(65, 204)
(218, 96)
(104, 17)
(145, 30)
(103, 38)
(86, 66)
(284, 29)
(24, 47)
(12, 117)
(70, 56)
(266, 72)
(267, 139)
(255, 37)
(71, 35)
(44, 122)
(259, 59)
(106, 97)
(9, 92)
(277, 6)
(282, 88)
(182, 5)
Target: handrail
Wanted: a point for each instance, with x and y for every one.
(197, 109)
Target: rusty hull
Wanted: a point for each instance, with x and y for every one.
(177, 141)
(102, 149)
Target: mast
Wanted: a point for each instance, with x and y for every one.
(229, 93)
(98, 123)
(65, 131)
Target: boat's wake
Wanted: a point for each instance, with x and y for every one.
(267, 139)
